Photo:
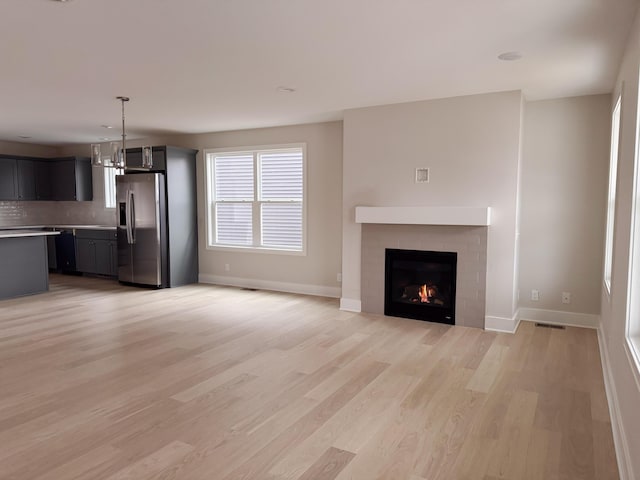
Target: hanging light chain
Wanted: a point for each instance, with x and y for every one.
(124, 134)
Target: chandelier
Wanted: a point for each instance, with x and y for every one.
(118, 158)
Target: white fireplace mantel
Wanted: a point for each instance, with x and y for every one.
(467, 216)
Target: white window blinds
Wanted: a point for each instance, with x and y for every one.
(234, 186)
(281, 185)
(256, 199)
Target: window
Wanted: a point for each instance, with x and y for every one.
(256, 198)
(633, 297)
(611, 205)
(110, 185)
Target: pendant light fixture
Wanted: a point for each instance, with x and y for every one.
(118, 152)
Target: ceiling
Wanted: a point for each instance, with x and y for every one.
(193, 66)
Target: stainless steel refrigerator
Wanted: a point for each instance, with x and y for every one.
(142, 250)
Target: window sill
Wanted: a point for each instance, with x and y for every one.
(633, 352)
(270, 251)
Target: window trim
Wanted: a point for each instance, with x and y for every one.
(612, 194)
(104, 185)
(632, 321)
(209, 180)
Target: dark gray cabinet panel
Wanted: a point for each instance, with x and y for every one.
(24, 266)
(51, 252)
(63, 180)
(134, 159)
(103, 257)
(85, 255)
(71, 179)
(96, 252)
(43, 179)
(26, 179)
(66, 251)
(8, 179)
(23, 178)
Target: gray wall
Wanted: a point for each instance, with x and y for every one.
(472, 147)
(314, 273)
(563, 202)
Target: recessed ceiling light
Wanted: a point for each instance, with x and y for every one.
(510, 56)
(106, 126)
(24, 136)
(286, 89)
(104, 139)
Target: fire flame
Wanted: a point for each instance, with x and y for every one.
(426, 293)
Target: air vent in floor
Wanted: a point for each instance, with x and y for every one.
(548, 325)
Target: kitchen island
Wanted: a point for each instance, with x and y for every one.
(23, 262)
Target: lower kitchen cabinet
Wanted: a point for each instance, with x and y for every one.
(51, 253)
(96, 252)
(66, 251)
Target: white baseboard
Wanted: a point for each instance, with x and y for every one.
(556, 317)
(617, 425)
(350, 305)
(317, 290)
(502, 324)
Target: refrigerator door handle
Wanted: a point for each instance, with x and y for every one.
(128, 217)
(132, 223)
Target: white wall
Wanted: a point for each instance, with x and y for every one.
(471, 145)
(564, 188)
(620, 373)
(315, 273)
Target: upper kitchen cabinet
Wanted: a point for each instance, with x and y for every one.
(17, 178)
(134, 159)
(71, 179)
(26, 180)
(23, 178)
(8, 179)
(43, 180)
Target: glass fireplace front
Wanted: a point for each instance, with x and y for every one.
(420, 285)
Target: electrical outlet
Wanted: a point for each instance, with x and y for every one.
(339, 277)
(227, 267)
(566, 297)
(535, 295)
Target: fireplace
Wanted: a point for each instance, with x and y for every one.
(420, 285)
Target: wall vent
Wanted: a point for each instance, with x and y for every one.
(548, 325)
(422, 175)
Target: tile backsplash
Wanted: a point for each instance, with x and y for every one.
(55, 213)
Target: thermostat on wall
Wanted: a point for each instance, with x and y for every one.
(422, 175)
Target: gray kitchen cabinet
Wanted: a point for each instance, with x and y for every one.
(134, 159)
(26, 179)
(66, 251)
(18, 178)
(43, 179)
(67, 178)
(71, 179)
(96, 252)
(8, 179)
(51, 252)
(23, 265)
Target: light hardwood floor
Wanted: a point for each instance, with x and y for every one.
(102, 381)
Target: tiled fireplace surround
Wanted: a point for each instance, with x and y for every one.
(469, 242)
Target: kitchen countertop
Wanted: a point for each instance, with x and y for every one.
(25, 233)
(62, 227)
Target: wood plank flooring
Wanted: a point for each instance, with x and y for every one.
(100, 381)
